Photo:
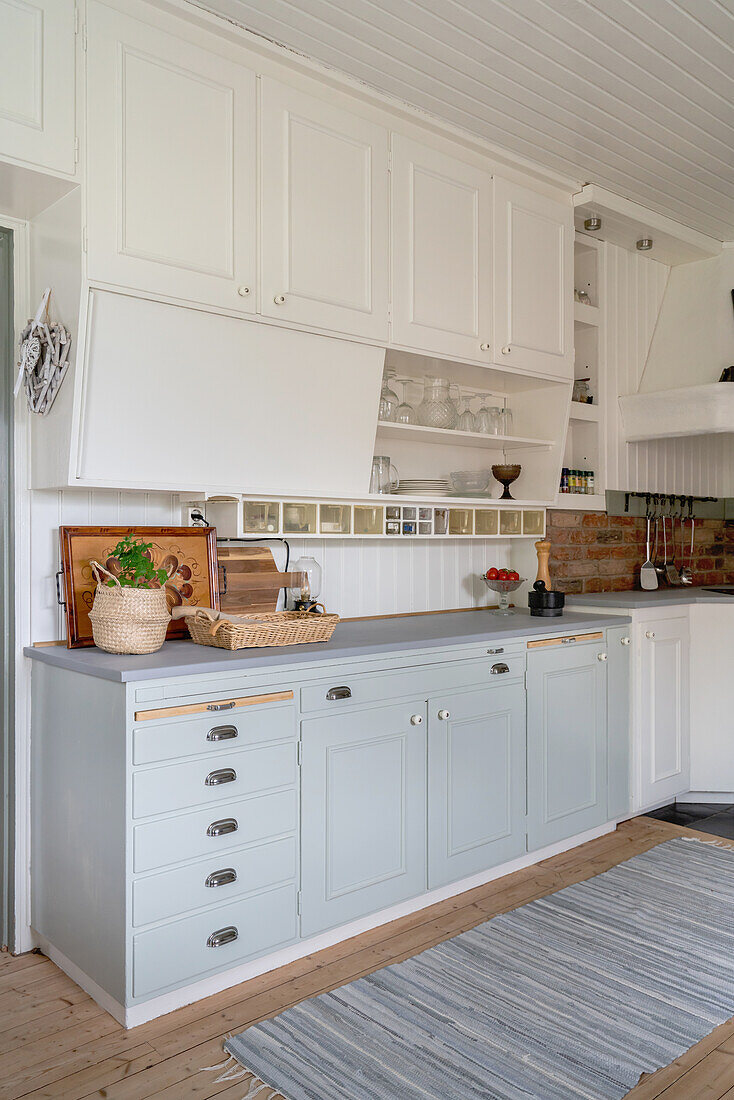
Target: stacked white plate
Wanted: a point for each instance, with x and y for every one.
(424, 487)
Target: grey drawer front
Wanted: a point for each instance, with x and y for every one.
(178, 951)
(172, 738)
(176, 839)
(171, 893)
(179, 786)
(383, 686)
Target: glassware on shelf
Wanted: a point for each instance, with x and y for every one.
(437, 410)
(466, 421)
(495, 420)
(384, 477)
(506, 473)
(482, 418)
(506, 421)
(388, 399)
(405, 413)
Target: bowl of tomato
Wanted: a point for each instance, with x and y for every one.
(503, 582)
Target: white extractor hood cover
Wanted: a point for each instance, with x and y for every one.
(181, 398)
(693, 342)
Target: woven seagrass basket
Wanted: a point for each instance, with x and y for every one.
(269, 629)
(127, 620)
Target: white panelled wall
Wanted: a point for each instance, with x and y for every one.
(361, 577)
(634, 288)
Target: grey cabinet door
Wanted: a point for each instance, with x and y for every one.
(476, 781)
(363, 812)
(618, 719)
(567, 741)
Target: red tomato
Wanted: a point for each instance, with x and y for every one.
(513, 576)
(492, 574)
(503, 575)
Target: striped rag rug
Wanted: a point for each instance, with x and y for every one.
(573, 995)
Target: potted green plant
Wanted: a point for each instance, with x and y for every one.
(130, 612)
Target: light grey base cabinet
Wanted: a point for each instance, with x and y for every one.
(185, 826)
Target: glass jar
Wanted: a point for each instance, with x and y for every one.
(437, 410)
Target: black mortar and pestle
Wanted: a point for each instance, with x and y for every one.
(543, 602)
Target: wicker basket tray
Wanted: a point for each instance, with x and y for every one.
(274, 628)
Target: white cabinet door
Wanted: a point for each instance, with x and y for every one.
(37, 96)
(663, 704)
(533, 271)
(324, 214)
(441, 252)
(171, 150)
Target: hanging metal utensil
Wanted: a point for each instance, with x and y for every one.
(671, 570)
(648, 576)
(686, 573)
(657, 509)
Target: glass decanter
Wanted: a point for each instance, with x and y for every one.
(437, 410)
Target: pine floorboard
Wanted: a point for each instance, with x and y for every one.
(57, 1044)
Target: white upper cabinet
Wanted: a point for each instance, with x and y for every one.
(171, 165)
(324, 214)
(37, 96)
(441, 253)
(533, 272)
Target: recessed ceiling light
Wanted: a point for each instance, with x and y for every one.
(644, 244)
(592, 224)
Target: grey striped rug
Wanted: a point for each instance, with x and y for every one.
(573, 995)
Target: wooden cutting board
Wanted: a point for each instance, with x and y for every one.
(249, 580)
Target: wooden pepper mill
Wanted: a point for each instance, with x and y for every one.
(543, 549)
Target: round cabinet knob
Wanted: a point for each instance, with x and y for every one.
(649, 633)
(506, 349)
(443, 715)
(484, 347)
(416, 719)
(279, 299)
(243, 291)
(601, 657)
(625, 641)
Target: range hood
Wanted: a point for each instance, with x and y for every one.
(680, 393)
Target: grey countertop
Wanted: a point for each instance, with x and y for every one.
(373, 637)
(660, 597)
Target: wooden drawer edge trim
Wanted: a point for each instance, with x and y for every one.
(574, 637)
(205, 708)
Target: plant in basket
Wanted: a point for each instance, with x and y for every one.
(130, 612)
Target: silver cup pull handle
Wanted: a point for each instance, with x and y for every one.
(222, 827)
(221, 775)
(498, 668)
(222, 936)
(222, 733)
(225, 877)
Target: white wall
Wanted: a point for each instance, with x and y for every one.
(635, 287)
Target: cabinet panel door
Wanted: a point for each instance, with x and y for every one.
(619, 733)
(567, 742)
(664, 709)
(441, 252)
(37, 97)
(171, 147)
(324, 214)
(476, 781)
(363, 813)
(533, 266)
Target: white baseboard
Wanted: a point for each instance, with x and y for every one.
(139, 1013)
(720, 798)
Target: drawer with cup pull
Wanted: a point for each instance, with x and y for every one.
(213, 880)
(208, 780)
(365, 689)
(206, 942)
(213, 830)
(173, 736)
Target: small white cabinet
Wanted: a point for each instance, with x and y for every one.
(441, 252)
(171, 165)
(37, 85)
(533, 271)
(663, 709)
(324, 214)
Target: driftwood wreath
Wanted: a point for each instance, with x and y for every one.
(44, 358)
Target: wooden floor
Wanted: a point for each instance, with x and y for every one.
(56, 1043)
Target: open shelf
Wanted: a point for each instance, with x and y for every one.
(450, 437)
(586, 315)
(582, 502)
(581, 410)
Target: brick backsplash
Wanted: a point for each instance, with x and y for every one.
(593, 552)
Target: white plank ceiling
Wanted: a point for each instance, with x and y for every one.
(634, 95)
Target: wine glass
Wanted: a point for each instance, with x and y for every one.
(482, 417)
(405, 413)
(388, 399)
(466, 422)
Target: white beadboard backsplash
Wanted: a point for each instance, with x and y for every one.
(361, 576)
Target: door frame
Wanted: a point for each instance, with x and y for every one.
(18, 610)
